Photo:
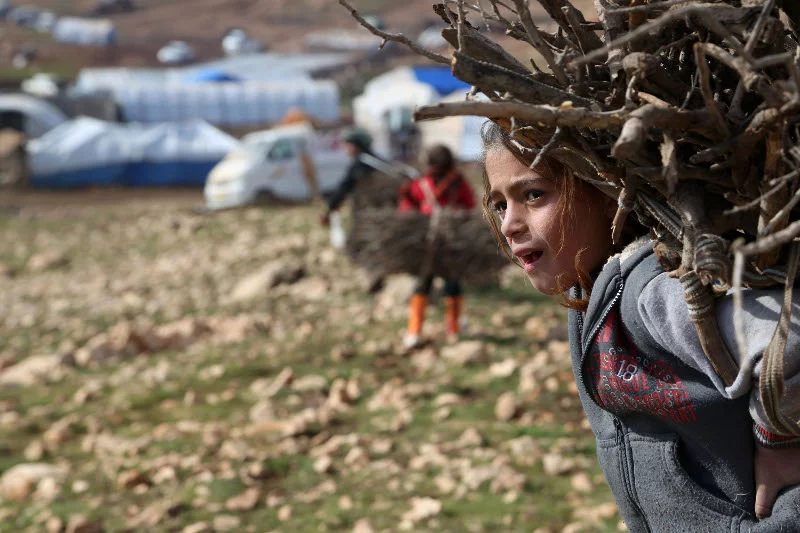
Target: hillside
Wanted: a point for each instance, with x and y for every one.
(280, 24)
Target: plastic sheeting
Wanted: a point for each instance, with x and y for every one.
(461, 134)
(228, 104)
(87, 32)
(87, 152)
(40, 116)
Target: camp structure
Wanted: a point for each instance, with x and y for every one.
(86, 32)
(87, 152)
(389, 100)
(29, 115)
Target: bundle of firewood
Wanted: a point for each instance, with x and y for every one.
(685, 111)
(454, 244)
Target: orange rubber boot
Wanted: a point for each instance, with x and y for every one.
(416, 316)
(452, 313)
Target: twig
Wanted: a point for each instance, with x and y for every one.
(545, 116)
(524, 15)
(646, 8)
(705, 89)
(668, 18)
(396, 37)
(546, 148)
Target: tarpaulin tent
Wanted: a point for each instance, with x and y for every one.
(402, 89)
(89, 152)
(29, 114)
(87, 32)
(461, 134)
(228, 104)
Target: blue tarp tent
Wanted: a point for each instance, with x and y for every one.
(87, 152)
(212, 75)
(440, 78)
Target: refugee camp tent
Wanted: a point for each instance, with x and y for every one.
(88, 152)
(210, 75)
(87, 32)
(461, 134)
(402, 89)
(229, 104)
(29, 114)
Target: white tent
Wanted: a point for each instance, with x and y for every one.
(87, 32)
(87, 152)
(461, 134)
(396, 89)
(39, 116)
(226, 103)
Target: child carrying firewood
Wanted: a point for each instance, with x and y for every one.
(680, 450)
(442, 186)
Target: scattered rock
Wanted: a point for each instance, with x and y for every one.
(246, 501)
(19, 481)
(323, 464)
(31, 370)
(310, 383)
(50, 260)
(422, 509)
(556, 465)
(268, 276)
(504, 369)
(506, 407)
(285, 513)
(363, 526)
(465, 353)
(81, 524)
(226, 523)
(198, 527)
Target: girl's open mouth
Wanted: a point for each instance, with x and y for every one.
(528, 260)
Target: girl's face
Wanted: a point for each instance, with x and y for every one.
(551, 239)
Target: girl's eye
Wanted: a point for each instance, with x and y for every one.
(500, 208)
(531, 196)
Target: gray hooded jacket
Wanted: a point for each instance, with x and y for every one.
(675, 445)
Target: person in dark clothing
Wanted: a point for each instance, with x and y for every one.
(681, 449)
(441, 186)
(356, 142)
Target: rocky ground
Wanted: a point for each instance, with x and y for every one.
(164, 370)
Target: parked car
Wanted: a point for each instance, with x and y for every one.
(176, 53)
(287, 162)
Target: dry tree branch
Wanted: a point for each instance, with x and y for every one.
(653, 6)
(542, 115)
(396, 37)
(705, 89)
(524, 15)
(718, 13)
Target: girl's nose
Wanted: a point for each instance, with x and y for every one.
(513, 222)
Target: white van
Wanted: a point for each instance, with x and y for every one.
(287, 162)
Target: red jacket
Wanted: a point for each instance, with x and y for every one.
(451, 191)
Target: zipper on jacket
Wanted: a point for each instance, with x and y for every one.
(582, 366)
(626, 468)
(620, 437)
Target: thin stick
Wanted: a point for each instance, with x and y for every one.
(644, 30)
(538, 42)
(396, 37)
(738, 319)
(705, 89)
(652, 7)
(542, 114)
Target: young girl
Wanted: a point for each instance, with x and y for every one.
(680, 451)
(442, 186)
